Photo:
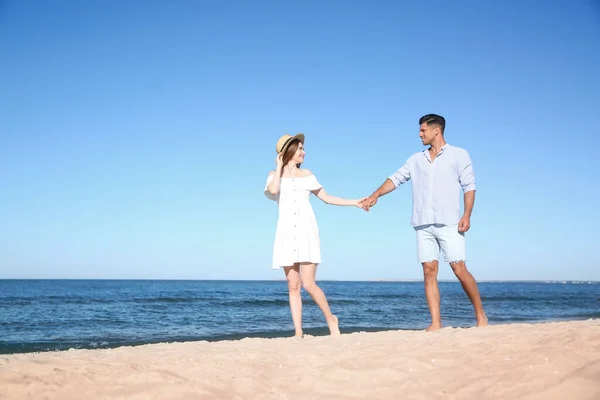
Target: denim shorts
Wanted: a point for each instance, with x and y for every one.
(435, 237)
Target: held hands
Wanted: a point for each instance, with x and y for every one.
(368, 202)
(359, 203)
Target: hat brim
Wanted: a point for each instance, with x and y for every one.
(299, 136)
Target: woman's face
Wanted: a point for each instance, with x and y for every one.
(299, 155)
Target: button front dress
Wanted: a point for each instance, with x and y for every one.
(297, 234)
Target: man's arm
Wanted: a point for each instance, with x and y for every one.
(466, 178)
(386, 187)
(402, 175)
(469, 202)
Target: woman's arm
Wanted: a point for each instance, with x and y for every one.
(336, 201)
(274, 185)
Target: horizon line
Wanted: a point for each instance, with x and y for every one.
(320, 280)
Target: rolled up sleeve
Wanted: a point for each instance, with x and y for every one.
(402, 175)
(466, 175)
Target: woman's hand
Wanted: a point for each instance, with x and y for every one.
(359, 203)
(279, 161)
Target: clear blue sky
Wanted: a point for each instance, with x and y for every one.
(136, 136)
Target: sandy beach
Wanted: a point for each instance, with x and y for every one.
(555, 360)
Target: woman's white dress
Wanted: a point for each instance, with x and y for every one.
(297, 235)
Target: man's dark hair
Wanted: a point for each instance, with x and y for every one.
(433, 119)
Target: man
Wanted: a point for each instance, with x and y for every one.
(438, 174)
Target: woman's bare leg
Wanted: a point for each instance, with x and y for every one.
(294, 283)
(308, 273)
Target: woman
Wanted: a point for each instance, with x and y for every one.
(297, 245)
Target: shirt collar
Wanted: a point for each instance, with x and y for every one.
(426, 151)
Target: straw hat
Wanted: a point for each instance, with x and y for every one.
(284, 142)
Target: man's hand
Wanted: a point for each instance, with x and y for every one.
(464, 224)
(369, 202)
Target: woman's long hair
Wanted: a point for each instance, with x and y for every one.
(289, 153)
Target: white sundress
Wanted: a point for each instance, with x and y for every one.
(297, 235)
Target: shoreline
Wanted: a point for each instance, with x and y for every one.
(322, 331)
(545, 360)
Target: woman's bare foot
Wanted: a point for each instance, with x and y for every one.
(334, 329)
(433, 327)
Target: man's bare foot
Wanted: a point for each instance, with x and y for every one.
(433, 327)
(482, 321)
(334, 329)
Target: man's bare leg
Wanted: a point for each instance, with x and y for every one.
(432, 293)
(469, 285)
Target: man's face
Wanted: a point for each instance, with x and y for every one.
(428, 133)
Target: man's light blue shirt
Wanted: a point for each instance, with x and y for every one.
(437, 184)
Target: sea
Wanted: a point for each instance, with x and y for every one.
(51, 315)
